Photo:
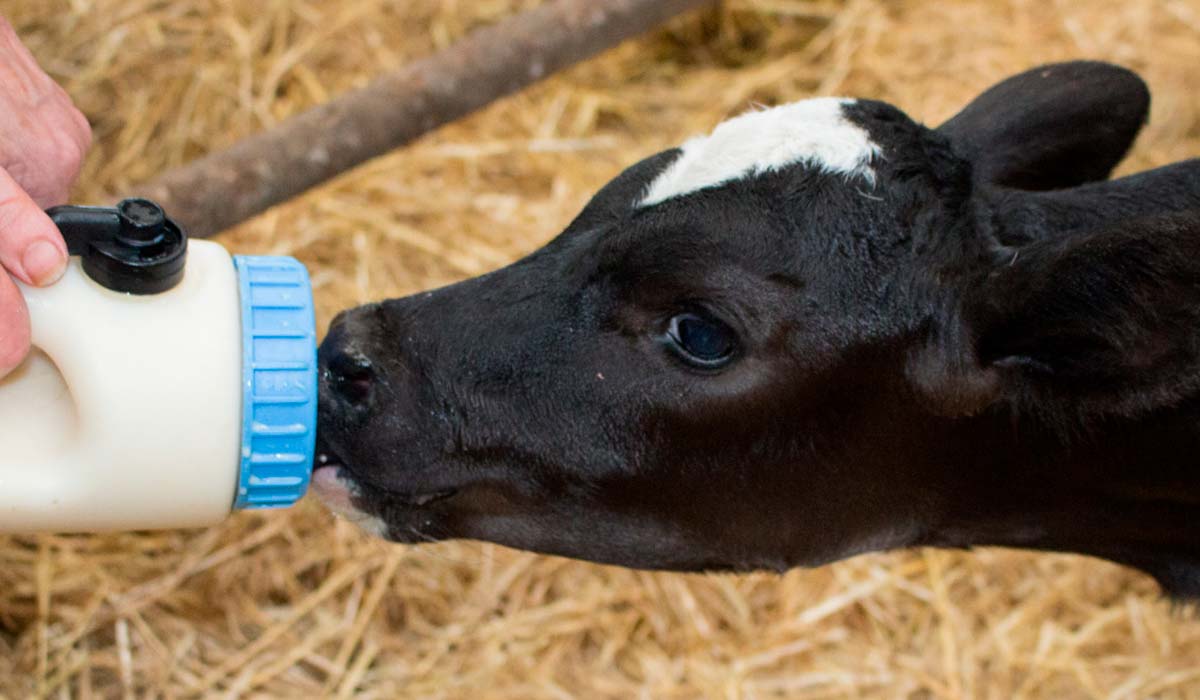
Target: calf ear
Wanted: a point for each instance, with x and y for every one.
(1054, 126)
(1101, 323)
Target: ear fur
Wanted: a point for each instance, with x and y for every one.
(1089, 302)
(1106, 322)
(1054, 126)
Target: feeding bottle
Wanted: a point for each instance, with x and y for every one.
(169, 382)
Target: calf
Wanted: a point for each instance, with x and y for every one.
(821, 330)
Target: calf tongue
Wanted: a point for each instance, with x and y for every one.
(333, 491)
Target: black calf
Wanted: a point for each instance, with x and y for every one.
(824, 329)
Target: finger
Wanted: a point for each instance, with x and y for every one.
(75, 125)
(14, 326)
(31, 247)
(21, 61)
(83, 128)
(42, 99)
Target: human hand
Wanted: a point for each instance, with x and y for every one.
(43, 139)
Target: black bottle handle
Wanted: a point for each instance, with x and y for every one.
(132, 247)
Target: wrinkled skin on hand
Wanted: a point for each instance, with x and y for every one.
(43, 141)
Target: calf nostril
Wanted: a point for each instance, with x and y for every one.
(351, 376)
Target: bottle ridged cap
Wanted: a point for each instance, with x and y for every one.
(279, 381)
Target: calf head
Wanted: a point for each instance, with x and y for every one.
(820, 330)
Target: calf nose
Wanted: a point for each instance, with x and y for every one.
(346, 372)
(351, 377)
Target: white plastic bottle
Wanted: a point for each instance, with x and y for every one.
(169, 384)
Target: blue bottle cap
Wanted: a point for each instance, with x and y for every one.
(279, 381)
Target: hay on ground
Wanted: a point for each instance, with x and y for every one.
(298, 604)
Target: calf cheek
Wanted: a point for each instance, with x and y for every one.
(506, 375)
(747, 471)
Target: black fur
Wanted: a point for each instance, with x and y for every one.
(990, 346)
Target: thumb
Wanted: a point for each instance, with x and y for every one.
(31, 247)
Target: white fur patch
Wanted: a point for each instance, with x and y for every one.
(814, 131)
(371, 524)
(338, 494)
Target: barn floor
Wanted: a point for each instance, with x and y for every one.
(298, 604)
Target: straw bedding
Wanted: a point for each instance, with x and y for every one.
(298, 604)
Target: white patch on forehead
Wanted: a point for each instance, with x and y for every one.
(815, 132)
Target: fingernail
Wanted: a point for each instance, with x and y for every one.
(43, 262)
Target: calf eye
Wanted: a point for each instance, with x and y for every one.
(700, 341)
